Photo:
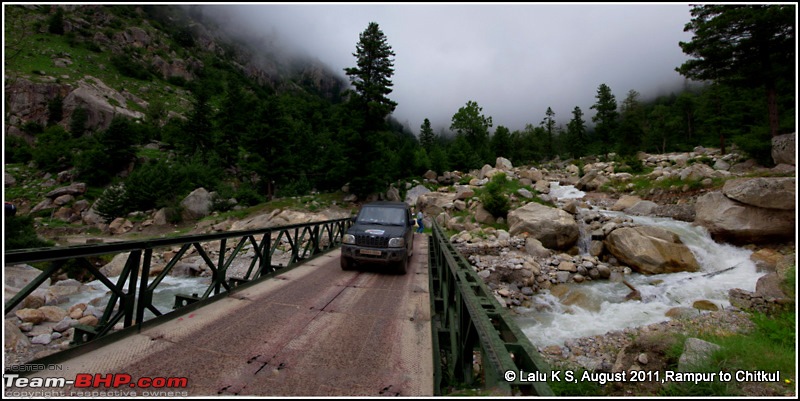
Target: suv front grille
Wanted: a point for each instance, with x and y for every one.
(372, 241)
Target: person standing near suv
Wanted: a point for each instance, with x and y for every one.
(420, 226)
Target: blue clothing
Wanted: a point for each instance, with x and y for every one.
(421, 226)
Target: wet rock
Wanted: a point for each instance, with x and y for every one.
(705, 305)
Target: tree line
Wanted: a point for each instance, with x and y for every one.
(252, 143)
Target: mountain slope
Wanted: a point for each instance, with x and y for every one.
(131, 60)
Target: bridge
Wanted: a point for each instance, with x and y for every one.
(302, 327)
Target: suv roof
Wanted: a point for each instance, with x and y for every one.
(388, 204)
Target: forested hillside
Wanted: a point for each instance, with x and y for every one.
(155, 98)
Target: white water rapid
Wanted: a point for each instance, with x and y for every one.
(598, 307)
(164, 297)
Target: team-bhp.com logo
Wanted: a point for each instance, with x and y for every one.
(86, 384)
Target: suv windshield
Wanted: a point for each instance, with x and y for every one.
(389, 216)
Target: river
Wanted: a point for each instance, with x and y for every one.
(601, 305)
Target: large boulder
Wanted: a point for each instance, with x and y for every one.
(763, 192)
(739, 223)
(699, 172)
(413, 194)
(554, 228)
(197, 204)
(591, 181)
(433, 203)
(650, 250)
(624, 202)
(116, 265)
(503, 164)
(78, 188)
(783, 149)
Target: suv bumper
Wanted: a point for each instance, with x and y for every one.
(373, 255)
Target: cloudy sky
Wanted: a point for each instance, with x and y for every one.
(514, 59)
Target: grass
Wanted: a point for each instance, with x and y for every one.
(769, 348)
(29, 184)
(36, 62)
(576, 387)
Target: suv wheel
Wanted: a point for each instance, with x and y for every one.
(346, 263)
(402, 266)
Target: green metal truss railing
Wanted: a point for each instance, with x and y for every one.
(468, 321)
(128, 303)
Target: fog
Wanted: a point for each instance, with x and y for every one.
(514, 60)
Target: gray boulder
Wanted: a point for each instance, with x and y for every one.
(413, 194)
(433, 203)
(763, 192)
(554, 228)
(783, 149)
(695, 353)
(650, 250)
(736, 222)
(197, 204)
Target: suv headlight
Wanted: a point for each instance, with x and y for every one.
(397, 242)
(349, 239)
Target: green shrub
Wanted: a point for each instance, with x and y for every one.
(17, 150)
(129, 67)
(53, 150)
(630, 164)
(248, 196)
(757, 145)
(55, 24)
(113, 203)
(493, 198)
(20, 234)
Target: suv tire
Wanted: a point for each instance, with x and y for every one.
(402, 266)
(346, 263)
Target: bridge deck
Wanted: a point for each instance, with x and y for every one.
(313, 331)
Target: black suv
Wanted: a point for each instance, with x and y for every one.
(382, 233)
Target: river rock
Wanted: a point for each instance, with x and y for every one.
(704, 304)
(14, 340)
(681, 312)
(732, 221)
(42, 339)
(651, 250)
(554, 228)
(624, 202)
(53, 313)
(116, 265)
(763, 192)
(34, 316)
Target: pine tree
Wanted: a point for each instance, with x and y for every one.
(630, 129)
(606, 117)
(426, 136)
(549, 125)
(745, 46)
(371, 78)
(576, 132)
